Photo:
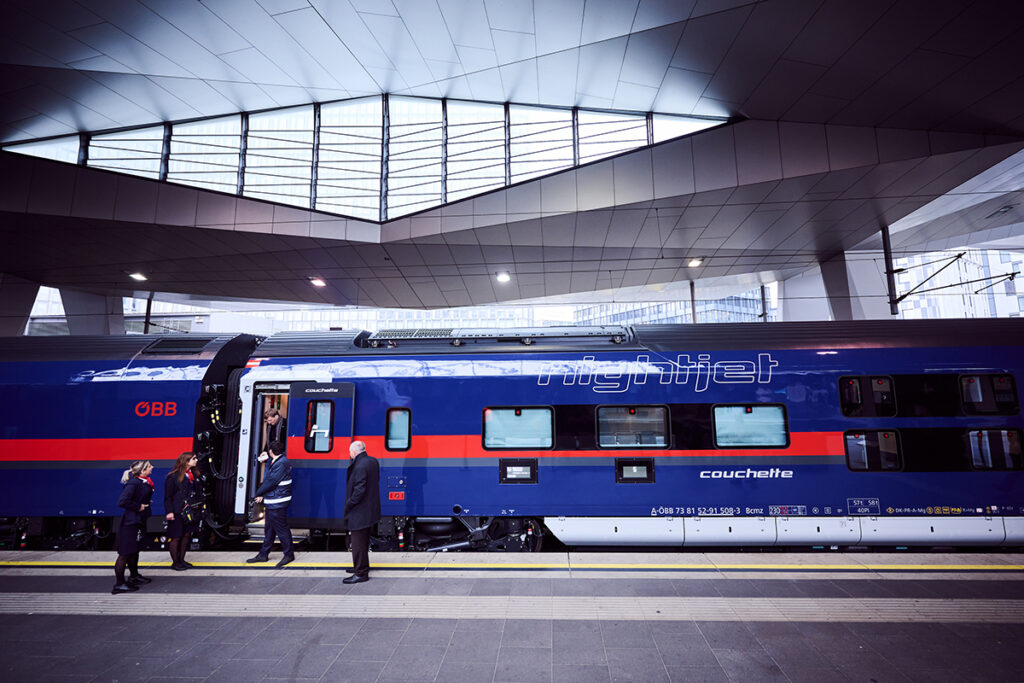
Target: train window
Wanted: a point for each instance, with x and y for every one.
(632, 427)
(867, 396)
(995, 449)
(518, 428)
(634, 470)
(398, 429)
(517, 470)
(319, 426)
(989, 394)
(873, 451)
(750, 426)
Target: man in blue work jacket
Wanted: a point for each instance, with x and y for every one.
(276, 493)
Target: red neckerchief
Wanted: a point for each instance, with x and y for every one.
(148, 481)
(191, 478)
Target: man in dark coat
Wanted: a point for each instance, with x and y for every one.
(362, 508)
(276, 495)
(277, 427)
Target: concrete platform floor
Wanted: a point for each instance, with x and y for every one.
(548, 617)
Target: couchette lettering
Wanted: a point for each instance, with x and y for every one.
(772, 473)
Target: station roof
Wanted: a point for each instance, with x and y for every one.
(844, 116)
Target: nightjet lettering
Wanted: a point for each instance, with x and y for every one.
(615, 377)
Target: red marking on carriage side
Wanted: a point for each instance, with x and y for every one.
(437, 446)
(396, 495)
(67, 450)
(156, 409)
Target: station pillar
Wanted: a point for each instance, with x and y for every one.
(851, 286)
(17, 297)
(93, 313)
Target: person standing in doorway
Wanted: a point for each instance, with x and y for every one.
(362, 508)
(276, 495)
(277, 427)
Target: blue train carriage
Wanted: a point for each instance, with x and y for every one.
(77, 410)
(792, 434)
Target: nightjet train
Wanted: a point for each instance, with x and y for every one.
(874, 433)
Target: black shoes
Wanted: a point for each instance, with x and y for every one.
(258, 558)
(179, 567)
(123, 588)
(139, 580)
(350, 570)
(355, 578)
(186, 565)
(287, 559)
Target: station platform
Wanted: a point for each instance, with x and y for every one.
(518, 617)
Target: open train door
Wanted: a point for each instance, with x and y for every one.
(320, 426)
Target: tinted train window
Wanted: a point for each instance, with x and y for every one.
(867, 396)
(518, 428)
(319, 426)
(517, 471)
(632, 427)
(398, 429)
(989, 394)
(634, 470)
(750, 426)
(995, 449)
(873, 451)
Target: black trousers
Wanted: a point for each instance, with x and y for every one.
(360, 539)
(276, 524)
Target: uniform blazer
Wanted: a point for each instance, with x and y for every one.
(134, 494)
(178, 495)
(362, 493)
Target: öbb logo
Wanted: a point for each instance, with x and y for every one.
(156, 409)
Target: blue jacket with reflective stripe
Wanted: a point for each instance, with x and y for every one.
(276, 488)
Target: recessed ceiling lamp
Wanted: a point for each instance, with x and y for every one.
(694, 262)
(137, 276)
(503, 276)
(317, 282)
(1000, 211)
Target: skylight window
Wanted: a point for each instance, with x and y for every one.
(476, 148)
(603, 134)
(135, 151)
(60, 149)
(414, 160)
(348, 175)
(279, 157)
(433, 151)
(667, 127)
(541, 141)
(205, 153)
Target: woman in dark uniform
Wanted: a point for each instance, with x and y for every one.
(135, 497)
(182, 503)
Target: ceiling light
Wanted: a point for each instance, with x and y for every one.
(317, 282)
(694, 262)
(1000, 211)
(503, 276)
(137, 276)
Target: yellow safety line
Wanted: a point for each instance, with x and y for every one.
(487, 565)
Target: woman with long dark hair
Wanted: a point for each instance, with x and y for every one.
(136, 494)
(183, 505)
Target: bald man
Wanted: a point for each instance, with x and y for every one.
(362, 508)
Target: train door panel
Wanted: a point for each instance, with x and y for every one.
(270, 397)
(320, 426)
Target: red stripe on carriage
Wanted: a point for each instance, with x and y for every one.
(469, 446)
(119, 450)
